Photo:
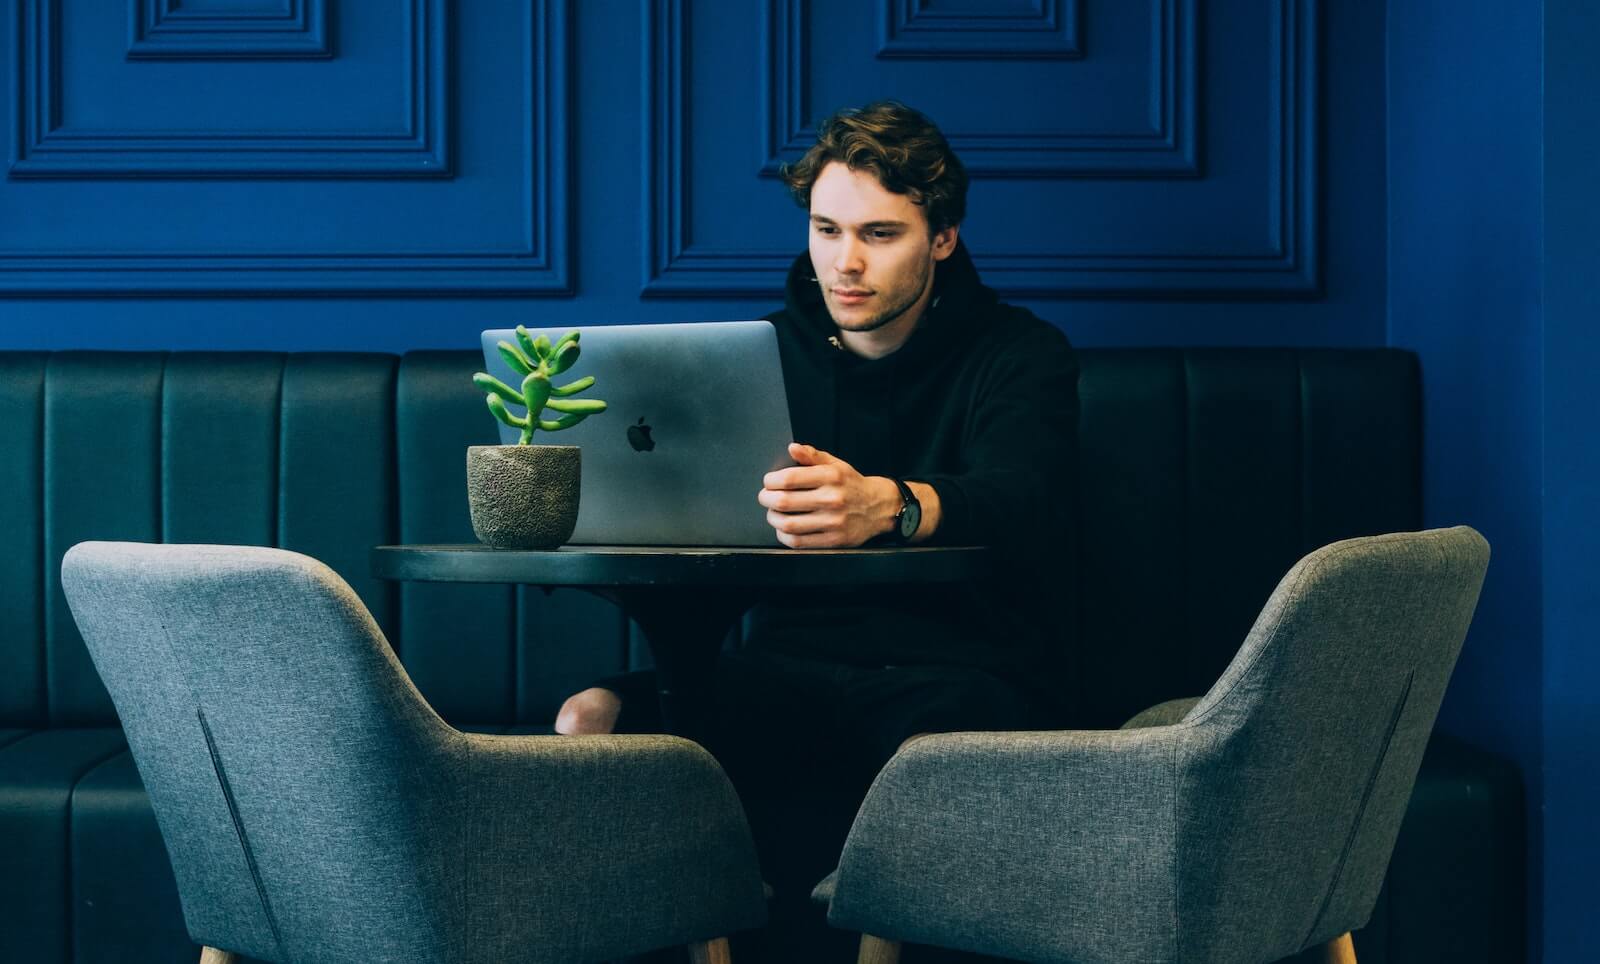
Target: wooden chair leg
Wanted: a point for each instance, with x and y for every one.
(876, 950)
(210, 955)
(714, 951)
(1340, 950)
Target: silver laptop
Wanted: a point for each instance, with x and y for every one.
(696, 415)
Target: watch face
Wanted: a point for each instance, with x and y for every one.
(910, 519)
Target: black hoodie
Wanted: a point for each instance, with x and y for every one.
(980, 403)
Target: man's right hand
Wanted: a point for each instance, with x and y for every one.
(824, 503)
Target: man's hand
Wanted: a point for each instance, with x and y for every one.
(824, 503)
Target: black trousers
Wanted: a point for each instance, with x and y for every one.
(801, 740)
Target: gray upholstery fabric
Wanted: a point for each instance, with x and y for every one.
(1251, 825)
(316, 809)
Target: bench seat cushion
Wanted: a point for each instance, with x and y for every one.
(38, 773)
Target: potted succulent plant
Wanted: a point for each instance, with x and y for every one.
(525, 496)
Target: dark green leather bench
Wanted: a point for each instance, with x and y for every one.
(1205, 474)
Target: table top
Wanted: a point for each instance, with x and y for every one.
(680, 565)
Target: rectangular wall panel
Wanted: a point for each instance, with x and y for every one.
(239, 175)
(1097, 161)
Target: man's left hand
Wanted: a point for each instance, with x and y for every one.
(824, 503)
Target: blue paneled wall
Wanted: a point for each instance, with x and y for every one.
(353, 175)
(314, 174)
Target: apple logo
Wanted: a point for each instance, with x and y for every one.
(639, 437)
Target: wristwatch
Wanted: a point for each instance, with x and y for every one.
(909, 518)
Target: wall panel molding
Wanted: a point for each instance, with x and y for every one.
(49, 147)
(1285, 264)
(1051, 30)
(276, 29)
(1162, 142)
(539, 264)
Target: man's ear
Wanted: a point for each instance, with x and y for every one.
(944, 242)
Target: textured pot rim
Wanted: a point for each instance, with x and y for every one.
(536, 445)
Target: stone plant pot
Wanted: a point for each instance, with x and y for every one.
(523, 496)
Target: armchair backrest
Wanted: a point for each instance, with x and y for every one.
(295, 772)
(1301, 758)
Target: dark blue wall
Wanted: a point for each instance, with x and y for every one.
(1465, 203)
(611, 160)
(1494, 209)
(1571, 405)
(1285, 172)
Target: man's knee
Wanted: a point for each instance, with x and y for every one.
(593, 710)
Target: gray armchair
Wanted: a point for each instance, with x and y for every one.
(316, 809)
(1245, 826)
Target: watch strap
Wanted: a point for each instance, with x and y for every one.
(907, 499)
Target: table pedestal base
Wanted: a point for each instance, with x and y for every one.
(685, 629)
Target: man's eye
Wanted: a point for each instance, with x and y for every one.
(884, 235)
(827, 229)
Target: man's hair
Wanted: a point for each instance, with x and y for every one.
(903, 150)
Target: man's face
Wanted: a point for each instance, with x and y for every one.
(871, 250)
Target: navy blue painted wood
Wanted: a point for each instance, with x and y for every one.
(236, 174)
(163, 30)
(1146, 222)
(1571, 478)
(1181, 153)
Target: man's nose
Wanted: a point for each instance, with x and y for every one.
(849, 260)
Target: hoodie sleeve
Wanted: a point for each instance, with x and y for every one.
(1017, 474)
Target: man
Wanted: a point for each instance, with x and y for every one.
(928, 413)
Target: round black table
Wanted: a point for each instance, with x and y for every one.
(684, 599)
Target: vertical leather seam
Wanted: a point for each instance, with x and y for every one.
(277, 458)
(1303, 465)
(283, 441)
(1186, 473)
(238, 828)
(68, 919)
(396, 633)
(519, 619)
(46, 514)
(388, 590)
(161, 473)
(1361, 810)
(41, 671)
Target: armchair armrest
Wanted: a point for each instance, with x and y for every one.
(977, 840)
(558, 827)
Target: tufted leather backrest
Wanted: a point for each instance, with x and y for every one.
(1205, 474)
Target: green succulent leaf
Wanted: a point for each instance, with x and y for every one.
(519, 362)
(526, 341)
(564, 357)
(577, 406)
(536, 359)
(497, 405)
(573, 388)
(565, 421)
(495, 386)
(535, 390)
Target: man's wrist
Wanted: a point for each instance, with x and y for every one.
(888, 514)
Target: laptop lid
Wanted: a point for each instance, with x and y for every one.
(696, 415)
